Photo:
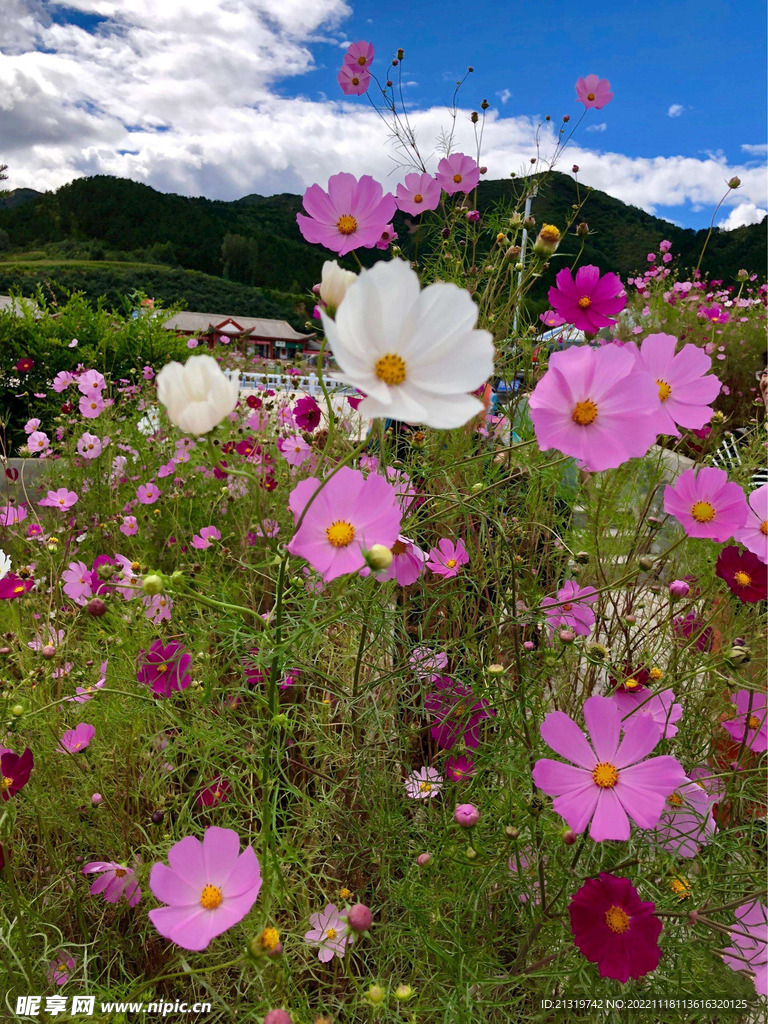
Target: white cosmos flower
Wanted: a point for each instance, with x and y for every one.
(5, 565)
(334, 284)
(415, 354)
(197, 396)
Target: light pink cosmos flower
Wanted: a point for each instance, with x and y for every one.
(209, 887)
(660, 706)
(685, 392)
(75, 741)
(89, 446)
(350, 514)
(148, 493)
(572, 608)
(129, 526)
(407, 563)
(750, 726)
(353, 81)
(424, 784)
(448, 557)
(38, 441)
(91, 406)
(329, 932)
(588, 301)
(12, 514)
(203, 540)
(754, 533)
(707, 504)
(31, 426)
(115, 881)
(60, 969)
(77, 582)
(457, 173)
(752, 947)
(349, 215)
(596, 406)
(61, 499)
(157, 607)
(294, 450)
(267, 528)
(359, 54)
(388, 235)
(686, 822)
(62, 380)
(593, 91)
(91, 383)
(614, 777)
(425, 662)
(420, 192)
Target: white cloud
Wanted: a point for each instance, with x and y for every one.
(744, 213)
(185, 95)
(504, 95)
(676, 110)
(760, 149)
(597, 127)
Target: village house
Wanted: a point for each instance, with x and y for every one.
(271, 339)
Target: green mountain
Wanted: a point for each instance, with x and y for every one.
(255, 242)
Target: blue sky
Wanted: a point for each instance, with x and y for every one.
(223, 98)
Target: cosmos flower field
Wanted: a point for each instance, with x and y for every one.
(443, 719)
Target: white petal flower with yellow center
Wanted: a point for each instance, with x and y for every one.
(415, 354)
(198, 395)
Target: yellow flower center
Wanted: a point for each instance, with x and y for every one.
(590, 96)
(681, 887)
(331, 933)
(457, 178)
(764, 527)
(617, 919)
(162, 668)
(269, 938)
(211, 897)
(550, 233)
(6, 782)
(18, 590)
(585, 302)
(62, 967)
(451, 563)
(346, 223)
(664, 390)
(391, 369)
(361, 61)
(754, 722)
(703, 512)
(135, 566)
(656, 673)
(418, 198)
(675, 800)
(584, 413)
(340, 534)
(631, 684)
(344, 893)
(425, 787)
(605, 775)
(120, 872)
(743, 579)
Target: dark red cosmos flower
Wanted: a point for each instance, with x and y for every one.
(253, 402)
(13, 586)
(614, 928)
(692, 626)
(458, 713)
(631, 680)
(216, 793)
(14, 772)
(220, 470)
(745, 575)
(12, 473)
(25, 364)
(247, 447)
(165, 668)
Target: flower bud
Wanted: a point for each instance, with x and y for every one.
(742, 275)
(378, 557)
(679, 588)
(376, 995)
(17, 710)
(734, 182)
(278, 1017)
(566, 636)
(645, 562)
(466, 815)
(152, 585)
(474, 117)
(496, 670)
(96, 608)
(512, 832)
(529, 223)
(334, 284)
(403, 992)
(423, 859)
(473, 216)
(566, 118)
(516, 219)
(582, 557)
(582, 230)
(48, 651)
(547, 240)
(575, 168)
(529, 645)
(569, 837)
(96, 799)
(359, 918)
(470, 854)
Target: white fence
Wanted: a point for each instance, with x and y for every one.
(310, 384)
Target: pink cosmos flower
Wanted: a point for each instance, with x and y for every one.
(665, 246)
(307, 414)
(148, 493)
(91, 383)
(706, 503)
(686, 822)
(91, 406)
(424, 784)
(77, 582)
(572, 608)
(388, 235)
(614, 928)
(61, 499)
(425, 662)
(359, 54)
(129, 526)
(164, 668)
(329, 932)
(593, 91)
(38, 441)
(349, 215)
(89, 446)
(595, 405)
(552, 319)
(209, 887)
(420, 192)
(294, 450)
(447, 558)
(457, 173)
(754, 533)
(751, 918)
(62, 380)
(614, 777)
(685, 392)
(202, 541)
(660, 706)
(407, 563)
(74, 741)
(350, 514)
(157, 607)
(353, 81)
(458, 713)
(459, 768)
(588, 301)
(750, 726)
(11, 514)
(15, 770)
(267, 528)
(31, 426)
(115, 881)
(60, 969)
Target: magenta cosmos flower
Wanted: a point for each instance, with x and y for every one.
(148, 493)
(74, 741)
(203, 540)
(307, 414)
(614, 777)
(424, 784)
(458, 713)
(595, 405)
(209, 887)
(420, 192)
(750, 726)
(60, 969)
(329, 932)
(164, 668)
(359, 54)
(15, 770)
(686, 822)
(686, 387)
(13, 586)
(660, 706)
(349, 215)
(571, 608)
(457, 173)
(745, 574)
(752, 947)
(61, 499)
(593, 91)
(115, 881)
(754, 533)
(614, 928)
(350, 514)
(588, 301)
(353, 81)
(447, 558)
(706, 503)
